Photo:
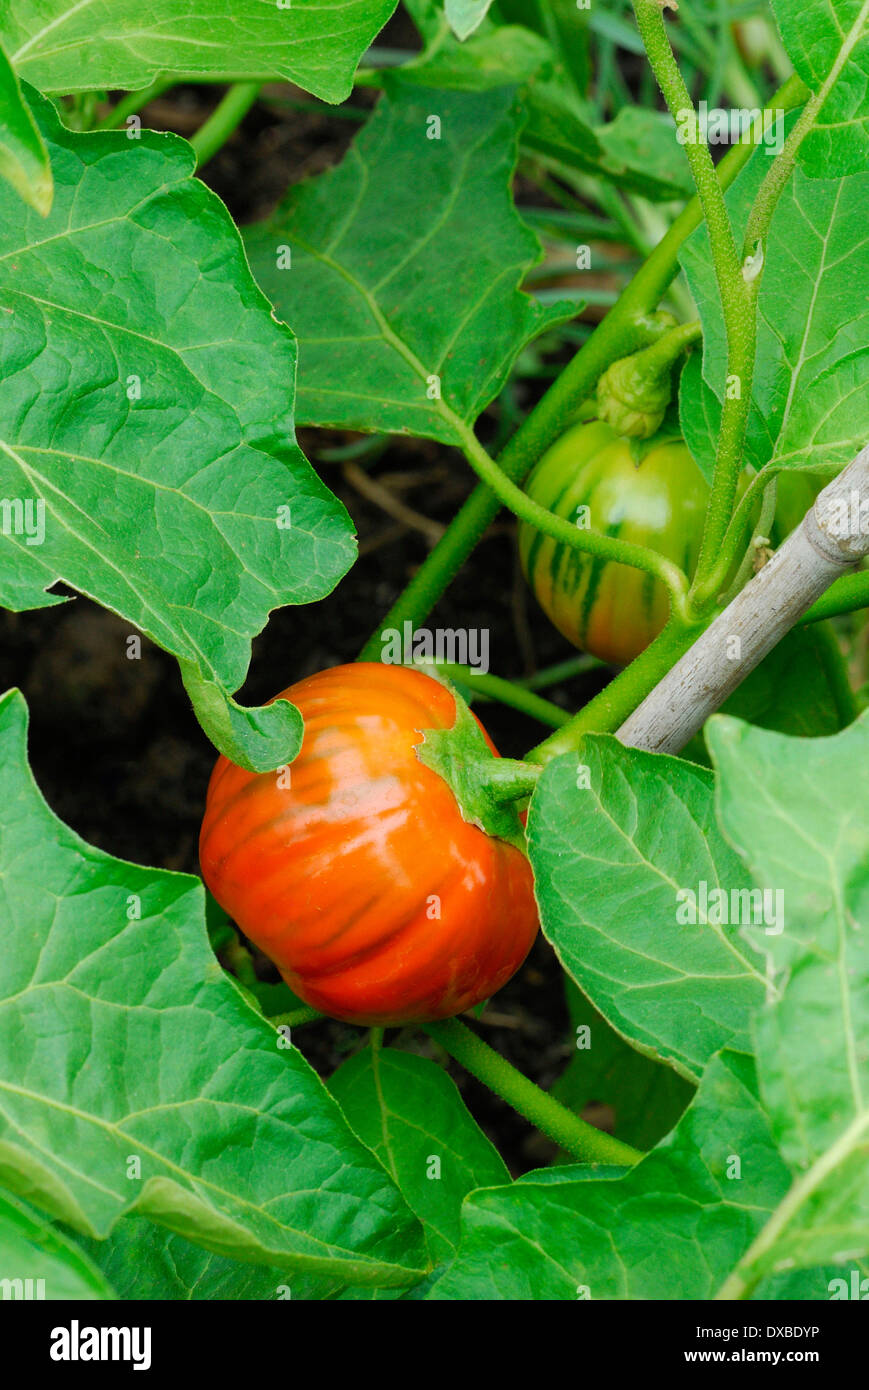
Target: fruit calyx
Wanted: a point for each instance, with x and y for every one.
(634, 392)
(488, 789)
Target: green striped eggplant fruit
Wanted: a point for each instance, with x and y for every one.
(590, 476)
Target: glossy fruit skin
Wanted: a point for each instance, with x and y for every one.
(612, 611)
(338, 877)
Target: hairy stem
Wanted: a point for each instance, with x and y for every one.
(572, 1134)
(738, 295)
(587, 541)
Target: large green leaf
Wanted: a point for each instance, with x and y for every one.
(808, 401)
(69, 46)
(828, 44)
(144, 1260)
(134, 1076)
(409, 1112)
(506, 56)
(147, 405)
(671, 1228)
(797, 812)
(23, 156)
(38, 1261)
(764, 1175)
(381, 268)
(617, 840)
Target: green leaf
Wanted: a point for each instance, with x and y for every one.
(828, 44)
(641, 151)
(671, 1228)
(796, 811)
(645, 1097)
(637, 151)
(564, 25)
(410, 1113)
(765, 1175)
(63, 46)
(558, 127)
(792, 691)
(32, 1249)
(618, 840)
(135, 1077)
(808, 404)
(508, 56)
(391, 291)
(23, 157)
(466, 15)
(144, 1260)
(173, 489)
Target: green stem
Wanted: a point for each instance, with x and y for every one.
(224, 119)
(626, 328)
(132, 103)
(662, 355)
(587, 541)
(738, 296)
(836, 672)
(734, 416)
(609, 710)
(505, 692)
(760, 535)
(572, 1134)
(561, 671)
(296, 1018)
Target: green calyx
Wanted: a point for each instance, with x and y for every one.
(488, 789)
(634, 392)
(631, 400)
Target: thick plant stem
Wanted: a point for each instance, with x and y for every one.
(738, 294)
(626, 328)
(572, 1134)
(223, 120)
(608, 710)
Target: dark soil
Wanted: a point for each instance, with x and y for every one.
(113, 742)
